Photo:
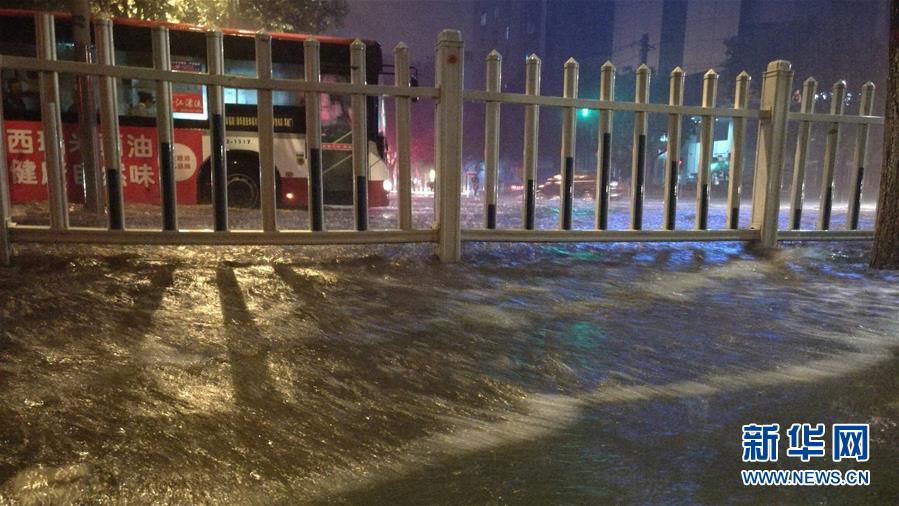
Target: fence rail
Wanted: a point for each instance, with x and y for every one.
(225, 80)
(772, 115)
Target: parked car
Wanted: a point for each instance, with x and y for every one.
(584, 187)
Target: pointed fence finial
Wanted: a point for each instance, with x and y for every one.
(494, 55)
(450, 35)
(710, 88)
(809, 95)
(779, 66)
(866, 105)
(676, 87)
(838, 97)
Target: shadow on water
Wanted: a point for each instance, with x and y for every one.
(54, 358)
(247, 347)
(314, 301)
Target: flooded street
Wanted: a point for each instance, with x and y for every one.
(552, 374)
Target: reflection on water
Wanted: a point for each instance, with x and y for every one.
(571, 374)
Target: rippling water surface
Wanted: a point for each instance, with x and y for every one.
(526, 375)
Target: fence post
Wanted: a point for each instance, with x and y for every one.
(360, 136)
(569, 135)
(735, 178)
(777, 82)
(531, 129)
(162, 60)
(837, 103)
(52, 125)
(638, 158)
(449, 79)
(491, 138)
(109, 114)
(403, 136)
(809, 90)
(675, 98)
(315, 201)
(5, 246)
(265, 125)
(706, 138)
(604, 144)
(865, 108)
(215, 63)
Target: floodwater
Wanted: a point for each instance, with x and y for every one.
(508, 214)
(548, 374)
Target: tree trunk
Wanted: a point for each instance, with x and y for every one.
(87, 109)
(886, 232)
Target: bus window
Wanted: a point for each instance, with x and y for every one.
(337, 112)
(21, 94)
(136, 97)
(287, 71)
(245, 68)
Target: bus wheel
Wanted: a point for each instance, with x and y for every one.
(243, 180)
(243, 190)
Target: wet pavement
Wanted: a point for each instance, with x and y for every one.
(199, 217)
(550, 374)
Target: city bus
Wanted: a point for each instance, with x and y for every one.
(137, 120)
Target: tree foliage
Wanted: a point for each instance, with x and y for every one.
(309, 16)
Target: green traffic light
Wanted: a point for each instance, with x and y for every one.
(585, 113)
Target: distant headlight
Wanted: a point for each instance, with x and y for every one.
(614, 184)
(388, 185)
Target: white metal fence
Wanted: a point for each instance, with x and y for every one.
(448, 95)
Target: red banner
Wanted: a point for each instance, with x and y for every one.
(140, 168)
(187, 102)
